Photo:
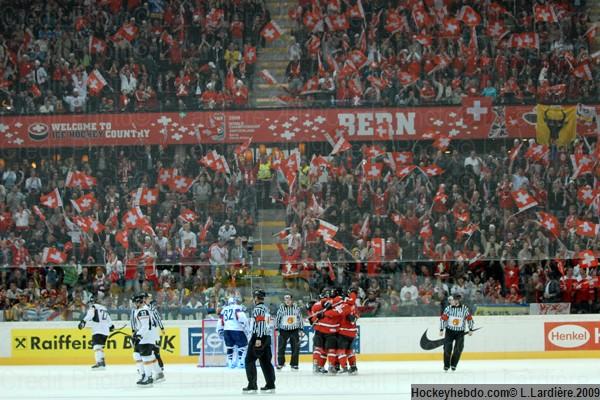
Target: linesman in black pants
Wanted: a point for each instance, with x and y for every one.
(288, 322)
(456, 321)
(259, 347)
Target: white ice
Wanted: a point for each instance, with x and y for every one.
(375, 381)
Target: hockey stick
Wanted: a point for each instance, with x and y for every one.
(427, 344)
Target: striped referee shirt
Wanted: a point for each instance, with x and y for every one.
(260, 316)
(132, 320)
(456, 318)
(288, 318)
(157, 316)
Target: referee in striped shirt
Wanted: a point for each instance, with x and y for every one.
(259, 347)
(457, 321)
(157, 317)
(288, 322)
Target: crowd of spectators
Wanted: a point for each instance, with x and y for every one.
(428, 52)
(176, 55)
(456, 231)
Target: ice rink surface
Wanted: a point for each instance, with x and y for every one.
(375, 381)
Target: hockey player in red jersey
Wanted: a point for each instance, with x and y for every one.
(326, 323)
(347, 333)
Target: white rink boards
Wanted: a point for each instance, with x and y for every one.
(376, 380)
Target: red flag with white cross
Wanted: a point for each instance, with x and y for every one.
(549, 222)
(586, 228)
(52, 199)
(146, 197)
(441, 143)
(404, 171)
(188, 215)
(53, 255)
(326, 229)
(123, 238)
(181, 184)
(432, 170)
(523, 199)
(165, 175)
(372, 170)
(587, 259)
(271, 31)
(134, 218)
(84, 203)
(477, 110)
(378, 245)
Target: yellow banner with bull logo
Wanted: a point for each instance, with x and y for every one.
(74, 346)
(556, 124)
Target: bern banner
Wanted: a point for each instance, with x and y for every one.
(474, 119)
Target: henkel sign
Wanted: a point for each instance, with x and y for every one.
(572, 335)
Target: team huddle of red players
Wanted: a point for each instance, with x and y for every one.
(334, 318)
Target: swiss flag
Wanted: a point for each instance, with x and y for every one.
(271, 31)
(477, 110)
(83, 222)
(402, 157)
(441, 143)
(165, 175)
(549, 222)
(586, 195)
(96, 226)
(241, 149)
(469, 230)
(497, 29)
(188, 215)
(469, 16)
(395, 23)
(358, 58)
(406, 78)
(586, 228)
(523, 200)
(267, 77)
(537, 152)
(432, 170)
(379, 83)
(587, 259)
(440, 199)
(527, 40)
(96, 46)
(544, 13)
(146, 197)
(424, 40)
(250, 55)
(514, 152)
(338, 22)
(326, 229)
(583, 71)
(378, 246)
(450, 27)
(123, 238)
(84, 203)
(181, 184)
(53, 255)
(78, 179)
(582, 164)
(421, 18)
(311, 20)
(52, 199)
(127, 32)
(134, 218)
(404, 171)
(341, 146)
(372, 170)
(373, 152)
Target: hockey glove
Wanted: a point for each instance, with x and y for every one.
(327, 305)
(81, 325)
(351, 318)
(221, 333)
(136, 339)
(112, 328)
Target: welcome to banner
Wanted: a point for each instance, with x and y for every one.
(474, 120)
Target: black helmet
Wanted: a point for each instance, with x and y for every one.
(325, 293)
(310, 305)
(92, 299)
(259, 293)
(337, 292)
(351, 290)
(138, 298)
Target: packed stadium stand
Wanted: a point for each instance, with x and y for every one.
(500, 218)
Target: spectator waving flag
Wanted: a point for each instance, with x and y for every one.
(134, 218)
(583, 71)
(181, 184)
(340, 146)
(582, 164)
(538, 152)
(52, 199)
(146, 197)
(544, 13)
(267, 77)
(78, 179)
(96, 226)
(497, 30)
(271, 31)
(450, 27)
(96, 46)
(333, 243)
(526, 40)
(432, 170)
(84, 203)
(165, 175)
(373, 152)
(404, 171)
(523, 199)
(241, 149)
(123, 238)
(372, 170)
(205, 228)
(469, 16)
(52, 255)
(250, 55)
(587, 195)
(549, 222)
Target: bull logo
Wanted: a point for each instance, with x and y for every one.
(555, 124)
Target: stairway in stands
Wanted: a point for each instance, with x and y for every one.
(273, 57)
(270, 222)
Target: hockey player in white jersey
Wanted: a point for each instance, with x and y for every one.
(137, 300)
(99, 320)
(147, 329)
(156, 314)
(232, 326)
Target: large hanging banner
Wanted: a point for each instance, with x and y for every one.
(476, 118)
